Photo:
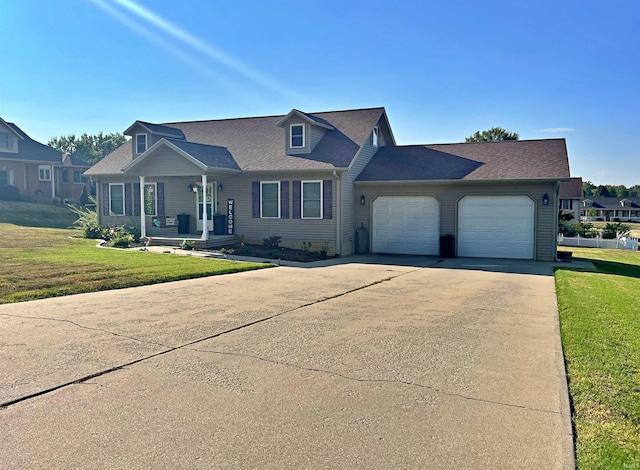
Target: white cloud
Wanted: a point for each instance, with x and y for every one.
(555, 130)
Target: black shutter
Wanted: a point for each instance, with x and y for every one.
(105, 199)
(297, 199)
(127, 199)
(160, 196)
(327, 199)
(136, 198)
(255, 199)
(284, 199)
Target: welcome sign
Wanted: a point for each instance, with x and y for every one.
(230, 221)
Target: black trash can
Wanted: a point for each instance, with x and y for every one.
(447, 246)
(219, 224)
(183, 223)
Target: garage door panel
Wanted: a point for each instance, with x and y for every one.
(406, 225)
(496, 227)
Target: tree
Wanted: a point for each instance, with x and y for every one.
(601, 191)
(588, 187)
(494, 134)
(90, 148)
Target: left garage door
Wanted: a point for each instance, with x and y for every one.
(406, 225)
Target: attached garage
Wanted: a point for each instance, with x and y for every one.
(496, 227)
(406, 225)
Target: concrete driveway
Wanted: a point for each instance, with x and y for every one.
(380, 363)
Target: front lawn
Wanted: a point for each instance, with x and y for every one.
(600, 328)
(31, 214)
(37, 263)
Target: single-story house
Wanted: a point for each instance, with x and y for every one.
(611, 209)
(336, 179)
(37, 170)
(571, 195)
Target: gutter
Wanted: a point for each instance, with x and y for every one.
(338, 212)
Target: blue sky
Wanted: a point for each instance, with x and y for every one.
(442, 69)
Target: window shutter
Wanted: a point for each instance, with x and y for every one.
(11, 177)
(160, 196)
(127, 199)
(255, 199)
(284, 199)
(136, 198)
(297, 201)
(327, 199)
(105, 199)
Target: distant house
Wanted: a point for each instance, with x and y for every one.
(38, 170)
(611, 209)
(570, 197)
(336, 179)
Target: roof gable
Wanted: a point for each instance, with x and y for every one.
(311, 119)
(31, 150)
(156, 129)
(571, 189)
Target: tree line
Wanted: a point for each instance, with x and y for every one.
(610, 190)
(88, 148)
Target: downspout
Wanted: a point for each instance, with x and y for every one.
(143, 220)
(556, 220)
(53, 182)
(205, 220)
(338, 212)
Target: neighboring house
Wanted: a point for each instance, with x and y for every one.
(611, 209)
(337, 179)
(38, 170)
(571, 195)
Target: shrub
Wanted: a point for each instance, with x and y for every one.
(95, 232)
(586, 230)
(187, 245)
(122, 240)
(272, 242)
(84, 197)
(615, 230)
(567, 228)
(9, 193)
(565, 215)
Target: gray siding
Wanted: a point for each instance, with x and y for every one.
(166, 162)
(287, 136)
(351, 196)
(450, 193)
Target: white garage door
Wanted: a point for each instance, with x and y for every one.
(406, 225)
(496, 227)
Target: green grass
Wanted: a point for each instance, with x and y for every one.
(38, 263)
(600, 328)
(31, 214)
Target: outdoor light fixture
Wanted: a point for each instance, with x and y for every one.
(362, 200)
(545, 199)
(220, 187)
(190, 188)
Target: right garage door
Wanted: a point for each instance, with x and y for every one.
(496, 227)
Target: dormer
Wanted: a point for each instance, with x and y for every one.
(587, 203)
(625, 203)
(302, 132)
(9, 138)
(146, 134)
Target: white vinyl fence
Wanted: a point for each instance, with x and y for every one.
(622, 243)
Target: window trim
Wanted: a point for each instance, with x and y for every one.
(138, 144)
(64, 175)
(111, 212)
(302, 183)
(155, 200)
(304, 131)
(375, 136)
(7, 147)
(47, 174)
(279, 201)
(79, 173)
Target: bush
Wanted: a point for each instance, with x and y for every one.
(122, 240)
(187, 245)
(9, 193)
(567, 228)
(615, 230)
(272, 242)
(95, 232)
(586, 230)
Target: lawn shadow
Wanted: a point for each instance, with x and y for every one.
(613, 267)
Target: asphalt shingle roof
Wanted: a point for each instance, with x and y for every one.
(166, 130)
(258, 144)
(210, 155)
(571, 189)
(521, 159)
(29, 149)
(613, 203)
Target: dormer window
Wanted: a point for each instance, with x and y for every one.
(141, 143)
(4, 140)
(587, 203)
(297, 135)
(625, 203)
(374, 136)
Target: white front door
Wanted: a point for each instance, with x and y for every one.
(210, 202)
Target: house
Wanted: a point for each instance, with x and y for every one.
(336, 179)
(571, 195)
(611, 209)
(37, 170)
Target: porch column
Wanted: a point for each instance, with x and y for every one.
(143, 220)
(205, 220)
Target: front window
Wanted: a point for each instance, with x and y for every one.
(4, 178)
(116, 199)
(270, 199)
(77, 176)
(566, 204)
(44, 172)
(141, 143)
(4, 140)
(150, 200)
(312, 199)
(374, 136)
(297, 135)
(65, 176)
